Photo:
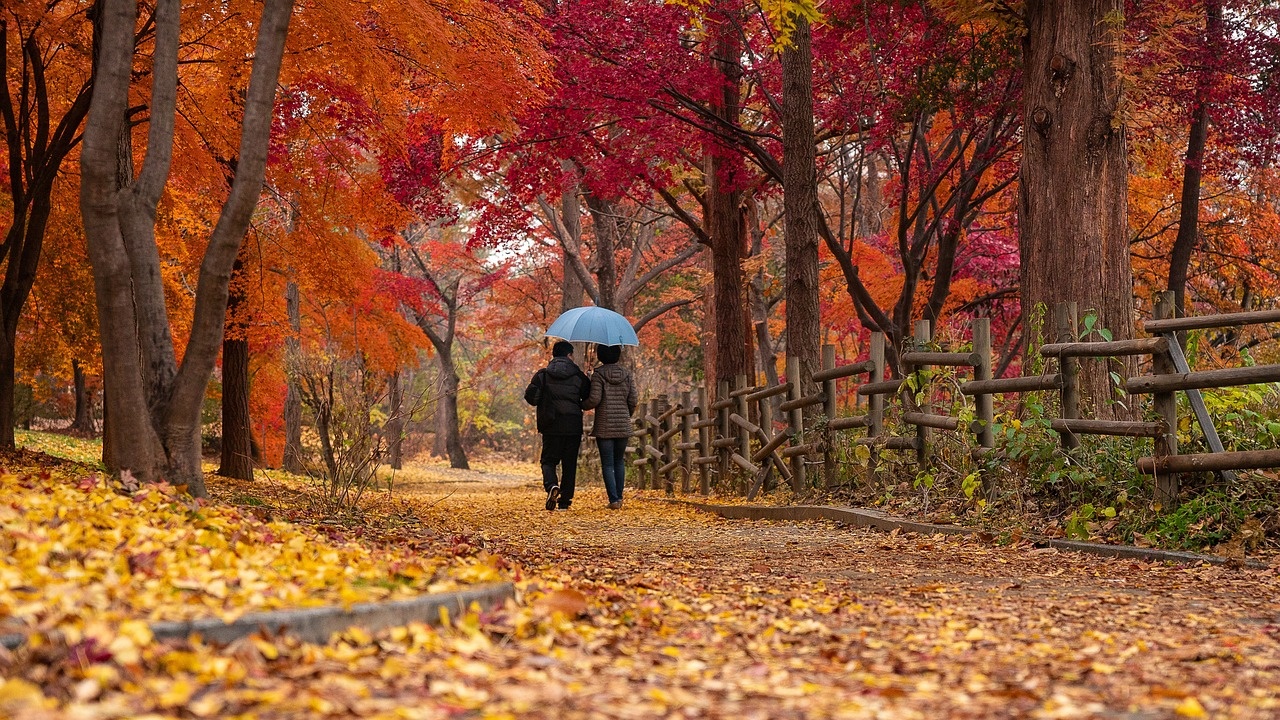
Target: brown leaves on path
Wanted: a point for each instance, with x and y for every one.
(659, 611)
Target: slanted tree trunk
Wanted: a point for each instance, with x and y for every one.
(724, 221)
(237, 441)
(1072, 203)
(293, 456)
(448, 424)
(83, 420)
(154, 401)
(800, 195)
(395, 423)
(1192, 170)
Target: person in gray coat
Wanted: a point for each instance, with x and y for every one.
(613, 396)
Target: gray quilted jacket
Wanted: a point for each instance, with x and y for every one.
(613, 395)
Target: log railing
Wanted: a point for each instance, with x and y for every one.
(733, 443)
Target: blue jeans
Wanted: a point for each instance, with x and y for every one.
(613, 465)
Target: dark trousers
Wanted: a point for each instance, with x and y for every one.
(560, 450)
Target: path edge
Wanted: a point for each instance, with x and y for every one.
(885, 522)
(317, 625)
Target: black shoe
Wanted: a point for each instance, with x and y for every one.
(553, 496)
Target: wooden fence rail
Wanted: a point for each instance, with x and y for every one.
(732, 442)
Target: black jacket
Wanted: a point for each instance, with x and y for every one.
(558, 391)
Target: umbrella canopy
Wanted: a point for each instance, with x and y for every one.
(594, 325)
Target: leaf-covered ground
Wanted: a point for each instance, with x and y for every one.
(658, 611)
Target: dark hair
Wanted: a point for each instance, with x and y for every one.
(562, 348)
(608, 354)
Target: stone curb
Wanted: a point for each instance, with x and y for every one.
(888, 523)
(317, 625)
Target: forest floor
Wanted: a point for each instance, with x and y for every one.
(657, 610)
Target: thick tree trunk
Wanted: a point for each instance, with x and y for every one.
(293, 456)
(604, 214)
(800, 195)
(724, 221)
(155, 403)
(1193, 167)
(237, 441)
(572, 287)
(83, 419)
(1072, 205)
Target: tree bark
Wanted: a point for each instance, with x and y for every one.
(447, 420)
(83, 419)
(1072, 204)
(37, 143)
(1193, 167)
(155, 402)
(800, 194)
(572, 287)
(395, 423)
(724, 221)
(604, 214)
(237, 441)
(293, 455)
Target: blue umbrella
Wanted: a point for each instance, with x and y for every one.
(594, 325)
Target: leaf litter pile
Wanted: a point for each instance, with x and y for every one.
(659, 611)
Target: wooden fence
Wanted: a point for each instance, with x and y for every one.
(734, 441)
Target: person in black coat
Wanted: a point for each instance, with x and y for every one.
(558, 391)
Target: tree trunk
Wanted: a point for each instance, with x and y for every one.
(447, 420)
(800, 194)
(237, 442)
(83, 420)
(155, 402)
(724, 219)
(572, 287)
(37, 142)
(1193, 167)
(395, 423)
(1072, 203)
(293, 455)
(7, 390)
(604, 214)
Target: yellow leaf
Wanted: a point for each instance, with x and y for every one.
(1191, 707)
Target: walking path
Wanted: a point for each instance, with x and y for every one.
(688, 615)
(662, 611)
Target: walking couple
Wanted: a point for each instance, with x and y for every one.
(561, 391)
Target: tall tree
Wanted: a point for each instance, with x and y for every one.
(46, 80)
(154, 401)
(1072, 204)
(800, 199)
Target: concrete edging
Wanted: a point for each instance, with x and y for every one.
(888, 523)
(317, 625)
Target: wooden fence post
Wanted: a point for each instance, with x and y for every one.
(686, 439)
(984, 403)
(722, 432)
(655, 429)
(828, 409)
(796, 418)
(924, 333)
(1064, 328)
(875, 403)
(704, 443)
(1166, 407)
(744, 436)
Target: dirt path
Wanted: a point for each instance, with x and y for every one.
(692, 616)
